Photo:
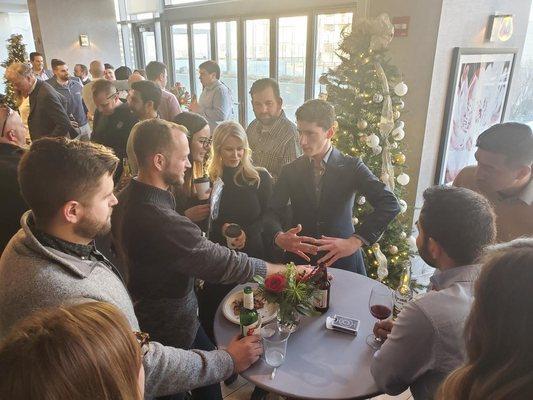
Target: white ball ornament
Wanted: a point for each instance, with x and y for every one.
(377, 98)
(396, 115)
(355, 220)
(372, 140)
(403, 235)
(400, 105)
(403, 205)
(398, 133)
(400, 124)
(400, 89)
(362, 200)
(376, 150)
(403, 179)
(393, 249)
(394, 145)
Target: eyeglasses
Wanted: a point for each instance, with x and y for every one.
(144, 341)
(205, 142)
(9, 112)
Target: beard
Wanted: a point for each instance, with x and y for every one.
(172, 178)
(90, 227)
(424, 255)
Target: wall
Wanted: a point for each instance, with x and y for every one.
(57, 25)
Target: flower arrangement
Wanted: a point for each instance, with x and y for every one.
(181, 93)
(293, 292)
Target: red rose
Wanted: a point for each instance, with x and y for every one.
(275, 283)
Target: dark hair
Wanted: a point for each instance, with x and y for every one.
(193, 122)
(108, 66)
(154, 69)
(149, 91)
(498, 331)
(56, 62)
(211, 67)
(103, 85)
(511, 139)
(153, 136)
(122, 73)
(318, 111)
(83, 68)
(459, 220)
(265, 83)
(34, 54)
(141, 72)
(57, 170)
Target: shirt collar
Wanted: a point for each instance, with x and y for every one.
(154, 195)
(212, 85)
(269, 128)
(443, 279)
(74, 249)
(325, 159)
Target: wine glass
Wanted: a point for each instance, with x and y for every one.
(380, 305)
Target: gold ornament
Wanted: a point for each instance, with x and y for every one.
(362, 124)
(399, 159)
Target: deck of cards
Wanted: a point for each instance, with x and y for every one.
(343, 324)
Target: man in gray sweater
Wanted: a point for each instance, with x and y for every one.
(52, 260)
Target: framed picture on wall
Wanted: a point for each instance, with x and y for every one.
(477, 97)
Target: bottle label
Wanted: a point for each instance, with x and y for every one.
(252, 329)
(321, 300)
(399, 302)
(248, 301)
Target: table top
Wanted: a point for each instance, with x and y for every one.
(320, 363)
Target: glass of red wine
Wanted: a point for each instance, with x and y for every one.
(380, 305)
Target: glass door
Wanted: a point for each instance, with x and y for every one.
(145, 43)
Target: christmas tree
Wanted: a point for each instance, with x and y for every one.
(366, 91)
(16, 52)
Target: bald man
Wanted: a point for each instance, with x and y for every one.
(96, 68)
(12, 206)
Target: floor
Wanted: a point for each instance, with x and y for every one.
(241, 390)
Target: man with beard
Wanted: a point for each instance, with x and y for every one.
(166, 251)
(272, 136)
(52, 260)
(426, 342)
(71, 90)
(503, 175)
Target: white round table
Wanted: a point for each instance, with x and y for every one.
(320, 363)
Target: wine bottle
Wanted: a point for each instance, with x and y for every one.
(249, 317)
(403, 294)
(324, 290)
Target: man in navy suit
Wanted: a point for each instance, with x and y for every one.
(321, 186)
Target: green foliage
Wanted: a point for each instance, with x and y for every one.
(352, 88)
(16, 52)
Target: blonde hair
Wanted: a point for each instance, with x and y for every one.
(246, 170)
(84, 352)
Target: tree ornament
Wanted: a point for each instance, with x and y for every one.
(400, 105)
(363, 139)
(355, 220)
(393, 249)
(403, 205)
(377, 98)
(377, 150)
(382, 270)
(398, 133)
(362, 124)
(399, 158)
(394, 145)
(403, 235)
(372, 140)
(403, 179)
(396, 114)
(361, 200)
(400, 89)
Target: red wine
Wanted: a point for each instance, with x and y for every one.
(380, 312)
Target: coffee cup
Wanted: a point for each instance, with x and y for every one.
(202, 186)
(232, 233)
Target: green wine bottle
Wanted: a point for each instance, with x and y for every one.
(249, 317)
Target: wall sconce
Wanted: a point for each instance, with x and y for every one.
(500, 28)
(84, 41)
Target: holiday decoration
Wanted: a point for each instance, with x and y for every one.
(16, 52)
(367, 93)
(355, 220)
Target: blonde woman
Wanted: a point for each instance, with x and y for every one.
(244, 199)
(81, 352)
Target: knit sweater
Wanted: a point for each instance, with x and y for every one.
(33, 276)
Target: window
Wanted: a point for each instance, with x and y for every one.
(180, 48)
(291, 62)
(257, 56)
(329, 30)
(202, 49)
(227, 59)
(148, 45)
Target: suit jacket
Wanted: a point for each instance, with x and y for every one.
(331, 213)
(48, 116)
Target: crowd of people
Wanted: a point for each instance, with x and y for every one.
(107, 233)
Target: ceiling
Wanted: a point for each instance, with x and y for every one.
(13, 5)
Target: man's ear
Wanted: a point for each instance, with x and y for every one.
(434, 249)
(523, 172)
(158, 161)
(331, 131)
(71, 212)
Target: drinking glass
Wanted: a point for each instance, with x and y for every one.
(274, 344)
(380, 305)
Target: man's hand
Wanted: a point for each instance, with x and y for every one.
(337, 248)
(383, 328)
(197, 213)
(245, 351)
(300, 245)
(194, 106)
(74, 124)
